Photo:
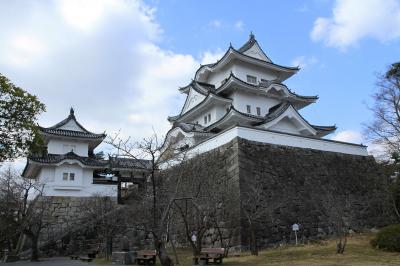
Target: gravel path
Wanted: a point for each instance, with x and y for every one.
(53, 261)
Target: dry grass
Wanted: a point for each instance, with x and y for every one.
(358, 252)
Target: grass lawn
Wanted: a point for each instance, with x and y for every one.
(358, 252)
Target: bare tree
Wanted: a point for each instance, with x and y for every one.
(385, 127)
(205, 200)
(156, 203)
(25, 205)
(254, 210)
(103, 214)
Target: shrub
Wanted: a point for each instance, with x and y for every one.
(388, 238)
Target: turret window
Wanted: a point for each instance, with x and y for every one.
(251, 79)
(68, 176)
(248, 109)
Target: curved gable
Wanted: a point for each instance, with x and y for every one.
(256, 52)
(193, 99)
(290, 121)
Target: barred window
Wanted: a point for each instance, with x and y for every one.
(251, 79)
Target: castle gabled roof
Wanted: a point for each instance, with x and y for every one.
(263, 87)
(277, 112)
(232, 53)
(61, 129)
(200, 87)
(250, 44)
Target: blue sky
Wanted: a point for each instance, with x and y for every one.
(120, 63)
(343, 77)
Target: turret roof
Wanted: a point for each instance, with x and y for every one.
(58, 131)
(112, 163)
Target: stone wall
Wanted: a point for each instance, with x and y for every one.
(312, 188)
(295, 185)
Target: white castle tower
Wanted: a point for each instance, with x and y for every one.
(69, 167)
(243, 95)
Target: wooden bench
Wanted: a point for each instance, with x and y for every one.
(86, 259)
(146, 257)
(74, 257)
(210, 254)
(92, 253)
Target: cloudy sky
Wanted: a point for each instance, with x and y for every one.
(119, 63)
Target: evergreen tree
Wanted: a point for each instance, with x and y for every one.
(18, 113)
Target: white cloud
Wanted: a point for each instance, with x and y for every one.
(353, 20)
(108, 66)
(216, 23)
(209, 57)
(304, 61)
(239, 25)
(230, 25)
(348, 136)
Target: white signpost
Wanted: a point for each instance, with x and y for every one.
(295, 228)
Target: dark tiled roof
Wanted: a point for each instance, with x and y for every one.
(114, 162)
(57, 158)
(72, 133)
(208, 86)
(265, 84)
(324, 128)
(118, 162)
(55, 130)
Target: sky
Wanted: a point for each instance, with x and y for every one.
(120, 63)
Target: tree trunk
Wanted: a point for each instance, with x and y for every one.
(174, 250)
(162, 253)
(341, 245)
(35, 249)
(253, 241)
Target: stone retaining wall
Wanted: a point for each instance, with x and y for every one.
(312, 188)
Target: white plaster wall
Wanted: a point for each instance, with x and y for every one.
(46, 175)
(69, 168)
(242, 69)
(242, 99)
(278, 139)
(82, 186)
(56, 146)
(216, 112)
(215, 78)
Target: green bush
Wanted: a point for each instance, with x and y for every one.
(388, 238)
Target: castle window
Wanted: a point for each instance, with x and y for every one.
(248, 109)
(71, 176)
(258, 111)
(65, 176)
(209, 118)
(251, 79)
(205, 120)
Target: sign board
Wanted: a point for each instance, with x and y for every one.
(295, 227)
